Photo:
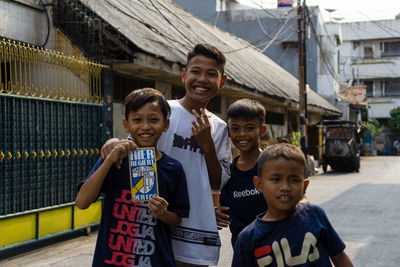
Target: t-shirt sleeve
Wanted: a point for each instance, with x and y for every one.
(242, 255)
(180, 199)
(331, 239)
(94, 169)
(224, 154)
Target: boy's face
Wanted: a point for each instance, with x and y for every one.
(146, 124)
(282, 183)
(245, 133)
(202, 78)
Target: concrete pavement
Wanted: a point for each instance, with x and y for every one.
(363, 207)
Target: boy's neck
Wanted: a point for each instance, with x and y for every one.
(271, 216)
(189, 105)
(248, 159)
(158, 154)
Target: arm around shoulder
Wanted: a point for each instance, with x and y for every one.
(341, 260)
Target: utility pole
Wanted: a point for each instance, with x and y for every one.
(302, 37)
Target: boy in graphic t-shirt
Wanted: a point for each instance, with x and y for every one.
(137, 233)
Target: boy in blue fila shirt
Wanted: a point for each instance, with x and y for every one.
(137, 233)
(289, 233)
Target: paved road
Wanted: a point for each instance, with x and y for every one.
(363, 207)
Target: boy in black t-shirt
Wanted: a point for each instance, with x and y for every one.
(240, 202)
(288, 233)
(137, 233)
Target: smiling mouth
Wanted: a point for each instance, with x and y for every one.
(200, 89)
(145, 135)
(284, 198)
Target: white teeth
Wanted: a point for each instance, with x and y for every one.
(145, 135)
(242, 142)
(202, 89)
(284, 197)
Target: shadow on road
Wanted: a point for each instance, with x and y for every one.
(367, 218)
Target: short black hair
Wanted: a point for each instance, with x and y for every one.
(140, 97)
(246, 108)
(209, 51)
(281, 151)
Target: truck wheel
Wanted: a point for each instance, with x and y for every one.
(357, 164)
(324, 165)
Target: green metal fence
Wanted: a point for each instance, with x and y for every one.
(47, 147)
(51, 127)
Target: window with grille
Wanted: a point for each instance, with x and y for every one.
(370, 88)
(391, 87)
(274, 118)
(390, 49)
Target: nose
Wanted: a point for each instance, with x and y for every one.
(146, 124)
(285, 186)
(242, 132)
(201, 77)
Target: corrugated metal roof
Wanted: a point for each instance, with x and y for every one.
(165, 30)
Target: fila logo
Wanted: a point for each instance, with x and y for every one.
(284, 255)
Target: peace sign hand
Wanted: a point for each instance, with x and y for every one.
(201, 129)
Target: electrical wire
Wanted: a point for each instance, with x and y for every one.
(174, 40)
(330, 68)
(48, 22)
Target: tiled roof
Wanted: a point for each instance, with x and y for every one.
(165, 30)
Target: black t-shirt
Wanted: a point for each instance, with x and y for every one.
(243, 198)
(129, 234)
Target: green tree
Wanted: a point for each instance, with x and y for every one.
(394, 123)
(374, 127)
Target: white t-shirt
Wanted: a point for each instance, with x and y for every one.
(196, 240)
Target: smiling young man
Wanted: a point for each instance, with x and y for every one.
(199, 140)
(288, 233)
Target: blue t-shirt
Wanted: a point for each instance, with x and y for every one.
(305, 238)
(243, 198)
(128, 233)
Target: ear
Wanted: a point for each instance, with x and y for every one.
(306, 182)
(257, 183)
(263, 129)
(223, 79)
(125, 123)
(183, 75)
(166, 125)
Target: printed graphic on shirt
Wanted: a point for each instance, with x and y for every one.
(245, 193)
(195, 236)
(143, 174)
(186, 143)
(132, 239)
(281, 253)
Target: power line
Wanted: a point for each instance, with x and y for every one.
(322, 50)
(274, 16)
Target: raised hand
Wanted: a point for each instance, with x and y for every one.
(201, 129)
(128, 146)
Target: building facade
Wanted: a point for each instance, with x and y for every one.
(370, 56)
(274, 33)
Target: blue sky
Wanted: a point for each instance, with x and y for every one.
(348, 10)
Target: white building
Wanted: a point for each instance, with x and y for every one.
(370, 55)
